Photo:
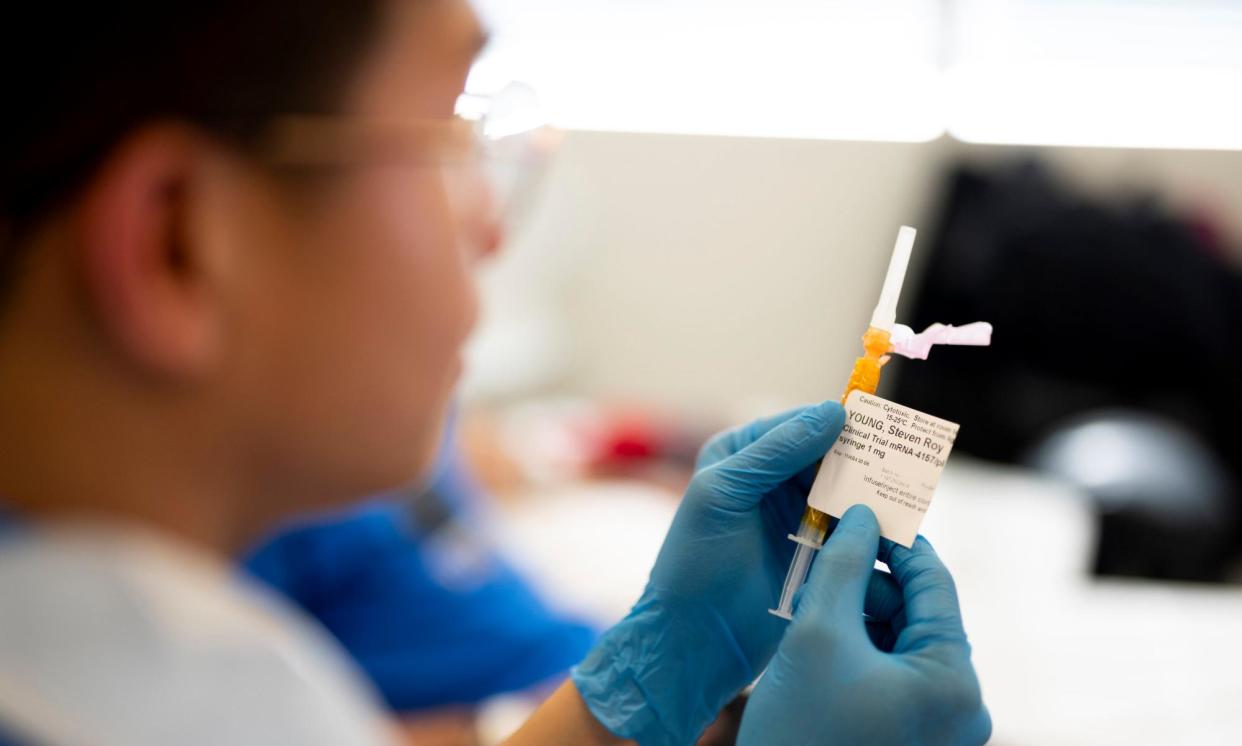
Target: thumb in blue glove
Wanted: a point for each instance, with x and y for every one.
(901, 675)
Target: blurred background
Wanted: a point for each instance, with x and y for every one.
(711, 239)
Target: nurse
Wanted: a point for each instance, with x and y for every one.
(236, 242)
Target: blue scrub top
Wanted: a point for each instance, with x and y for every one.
(432, 613)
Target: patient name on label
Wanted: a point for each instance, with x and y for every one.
(889, 458)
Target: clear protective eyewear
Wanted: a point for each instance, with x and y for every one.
(502, 138)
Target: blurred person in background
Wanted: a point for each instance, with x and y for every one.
(235, 253)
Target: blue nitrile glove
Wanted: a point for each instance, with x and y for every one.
(902, 677)
(701, 631)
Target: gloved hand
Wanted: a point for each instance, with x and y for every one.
(701, 631)
(902, 677)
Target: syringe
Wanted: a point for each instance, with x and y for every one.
(884, 336)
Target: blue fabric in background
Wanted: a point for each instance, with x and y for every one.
(7, 738)
(431, 612)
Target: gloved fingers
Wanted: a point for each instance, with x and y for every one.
(839, 579)
(806, 477)
(933, 615)
(782, 511)
(882, 635)
(738, 482)
(886, 549)
(898, 618)
(980, 728)
(725, 444)
(788, 502)
(884, 609)
(884, 600)
(898, 622)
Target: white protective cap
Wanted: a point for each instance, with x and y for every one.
(885, 314)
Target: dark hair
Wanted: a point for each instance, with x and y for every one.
(77, 77)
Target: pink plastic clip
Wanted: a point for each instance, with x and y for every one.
(917, 346)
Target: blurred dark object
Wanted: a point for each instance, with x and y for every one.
(1164, 500)
(1097, 305)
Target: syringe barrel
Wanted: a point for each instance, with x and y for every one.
(865, 377)
(808, 541)
(813, 529)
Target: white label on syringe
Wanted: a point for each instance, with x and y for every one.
(889, 458)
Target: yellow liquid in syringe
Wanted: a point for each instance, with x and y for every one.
(865, 377)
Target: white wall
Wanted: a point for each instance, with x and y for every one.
(700, 272)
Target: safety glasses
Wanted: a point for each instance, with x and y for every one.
(501, 140)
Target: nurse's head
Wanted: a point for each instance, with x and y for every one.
(235, 251)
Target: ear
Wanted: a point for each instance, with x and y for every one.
(148, 277)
